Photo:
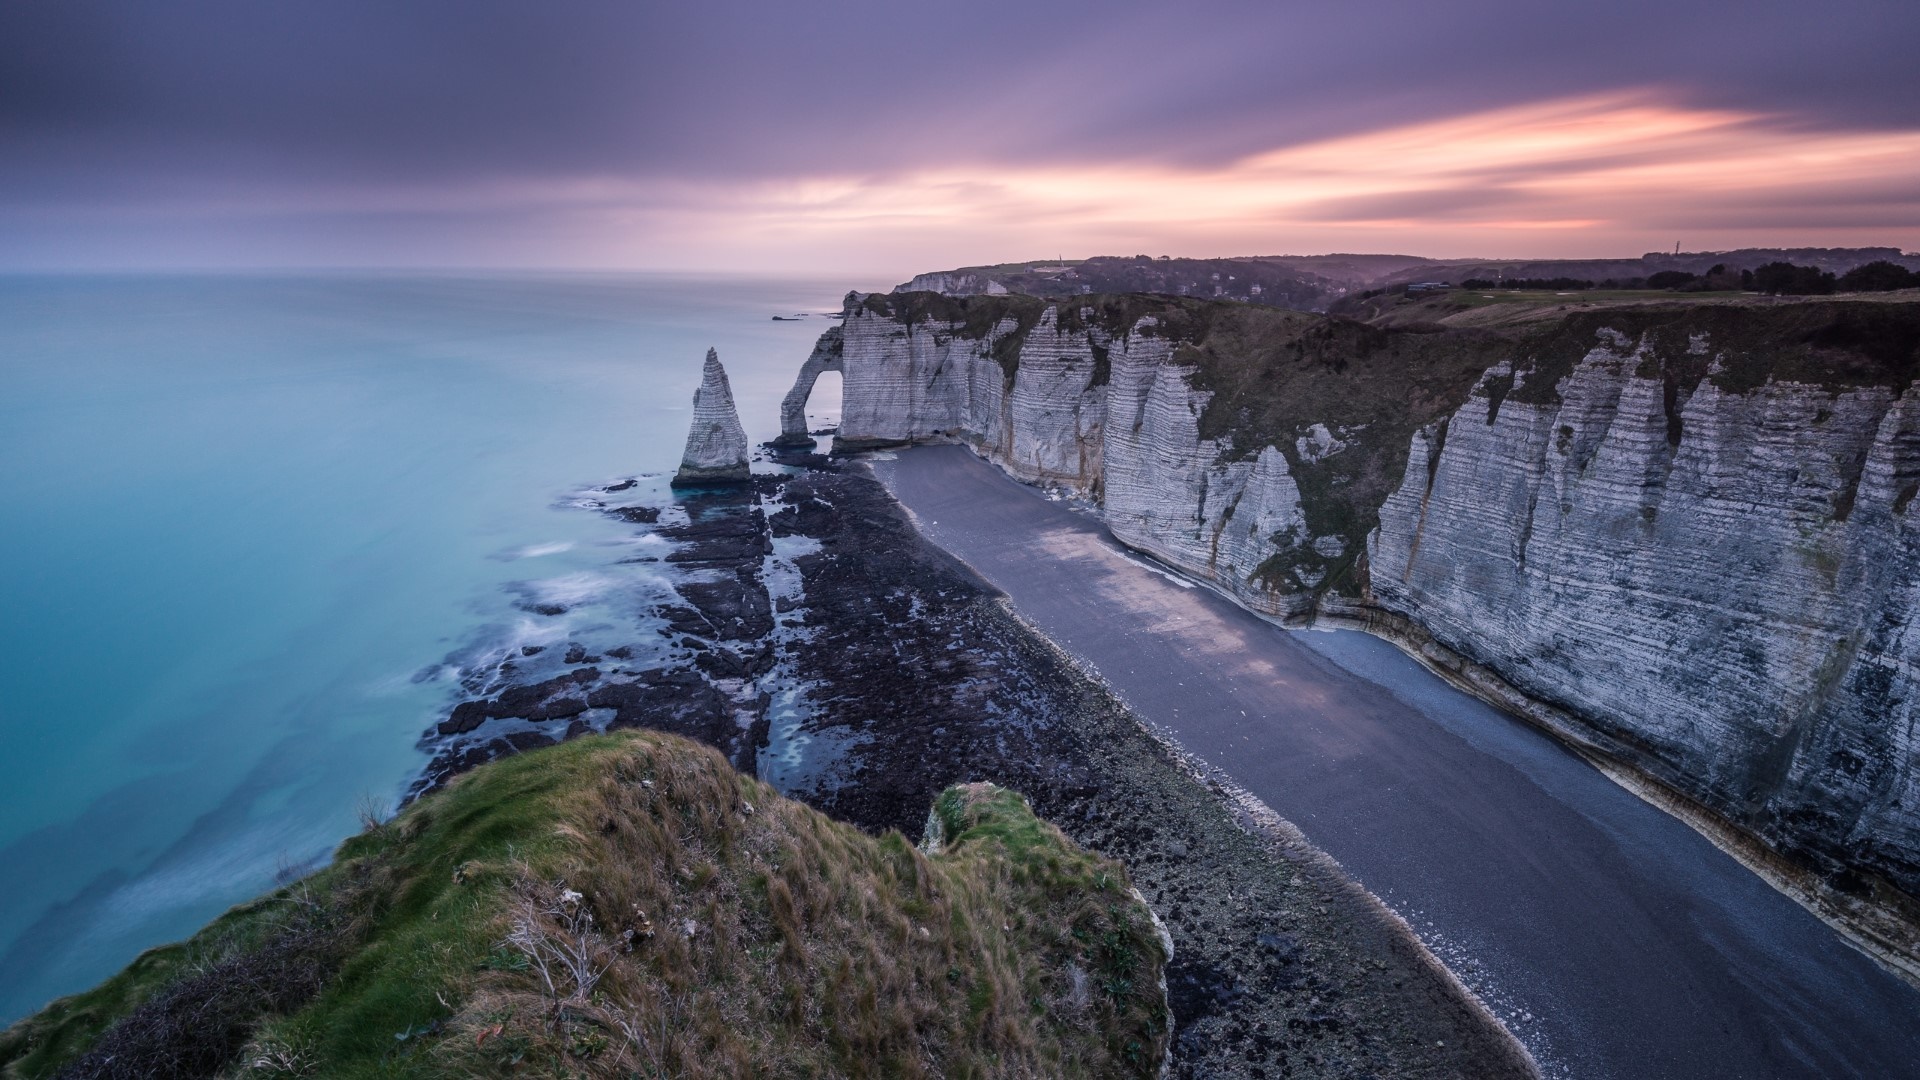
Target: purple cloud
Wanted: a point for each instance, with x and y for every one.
(120, 118)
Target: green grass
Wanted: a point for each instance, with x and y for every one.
(732, 932)
(422, 936)
(1476, 298)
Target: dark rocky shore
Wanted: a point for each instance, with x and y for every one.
(905, 673)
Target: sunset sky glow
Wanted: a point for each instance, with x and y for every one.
(744, 138)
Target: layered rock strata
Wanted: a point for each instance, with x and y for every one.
(1719, 585)
(716, 443)
(1678, 535)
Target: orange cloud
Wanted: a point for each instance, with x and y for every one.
(1606, 175)
(1594, 175)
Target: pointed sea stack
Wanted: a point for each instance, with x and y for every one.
(717, 444)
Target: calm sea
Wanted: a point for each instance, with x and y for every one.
(245, 522)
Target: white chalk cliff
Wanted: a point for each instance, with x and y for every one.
(1707, 582)
(716, 443)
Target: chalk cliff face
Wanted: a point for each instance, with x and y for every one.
(716, 443)
(1682, 528)
(1720, 584)
(1098, 399)
(956, 283)
(1170, 492)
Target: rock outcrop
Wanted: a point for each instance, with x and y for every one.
(716, 443)
(1676, 534)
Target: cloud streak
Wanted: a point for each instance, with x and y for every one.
(1571, 177)
(858, 134)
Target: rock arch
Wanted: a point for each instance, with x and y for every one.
(827, 356)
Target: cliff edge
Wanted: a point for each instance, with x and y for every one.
(628, 904)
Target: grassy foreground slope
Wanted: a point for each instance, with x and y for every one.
(630, 905)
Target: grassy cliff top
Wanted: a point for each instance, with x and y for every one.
(629, 905)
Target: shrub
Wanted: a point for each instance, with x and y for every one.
(1786, 279)
(1878, 276)
(199, 1024)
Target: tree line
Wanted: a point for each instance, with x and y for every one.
(1774, 279)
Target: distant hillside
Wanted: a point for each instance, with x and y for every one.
(1315, 282)
(1837, 260)
(1289, 281)
(628, 905)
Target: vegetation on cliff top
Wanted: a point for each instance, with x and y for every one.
(1834, 344)
(1274, 373)
(629, 905)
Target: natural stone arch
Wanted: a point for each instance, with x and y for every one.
(793, 408)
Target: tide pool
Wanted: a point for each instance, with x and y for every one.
(244, 519)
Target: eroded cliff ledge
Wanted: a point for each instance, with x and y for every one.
(1675, 533)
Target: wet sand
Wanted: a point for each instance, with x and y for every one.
(1614, 940)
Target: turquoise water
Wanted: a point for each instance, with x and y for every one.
(244, 519)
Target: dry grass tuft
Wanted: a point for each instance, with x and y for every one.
(721, 930)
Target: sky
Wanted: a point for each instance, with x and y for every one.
(889, 138)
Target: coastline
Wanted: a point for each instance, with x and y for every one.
(1544, 884)
(1285, 841)
(821, 640)
(902, 668)
(1876, 930)
(1884, 925)
(1279, 956)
